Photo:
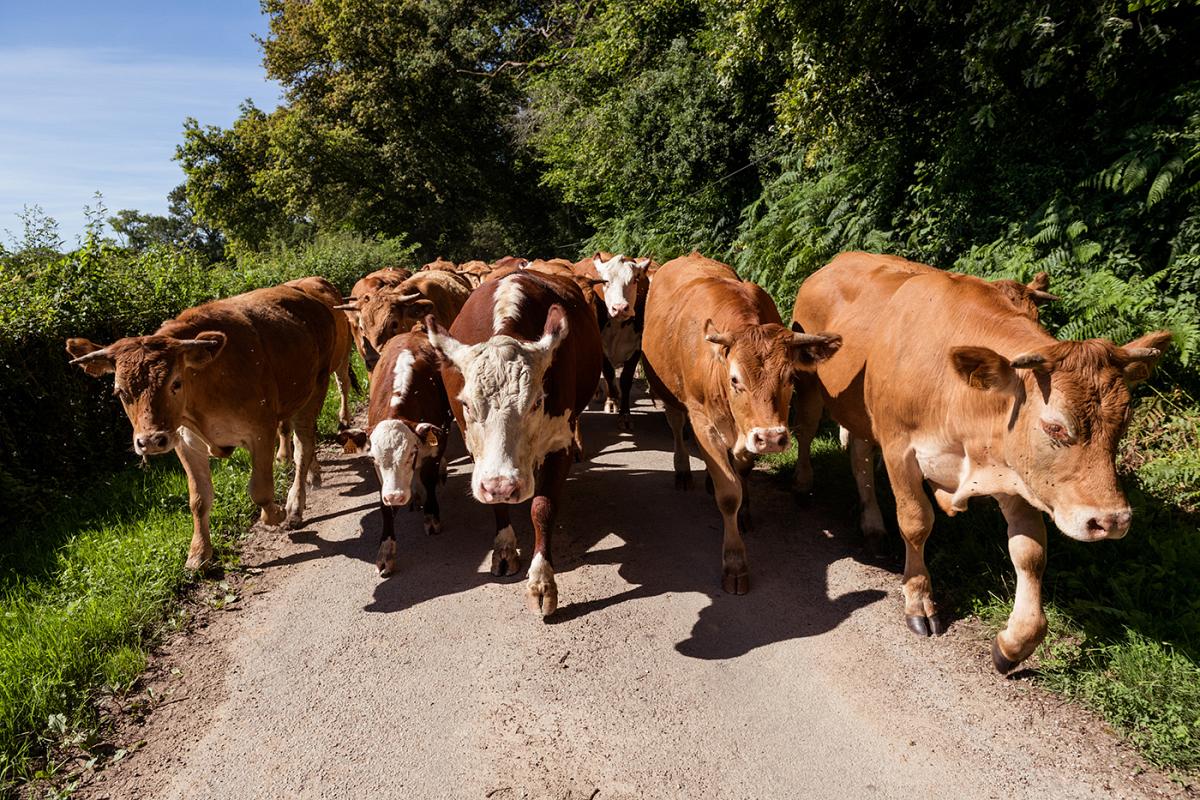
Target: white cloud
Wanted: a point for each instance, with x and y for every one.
(77, 120)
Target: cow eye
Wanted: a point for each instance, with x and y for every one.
(1056, 432)
(123, 395)
(177, 385)
(537, 404)
(735, 383)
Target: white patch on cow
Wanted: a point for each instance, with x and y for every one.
(506, 302)
(765, 434)
(395, 449)
(621, 340)
(402, 377)
(540, 570)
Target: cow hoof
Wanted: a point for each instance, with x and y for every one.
(197, 562)
(273, 516)
(541, 593)
(386, 560)
(314, 479)
(506, 561)
(735, 583)
(1001, 662)
(610, 406)
(936, 626)
(625, 423)
(433, 525)
(294, 522)
(683, 481)
(917, 624)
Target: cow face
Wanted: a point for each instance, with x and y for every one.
(397, 449)
(1066, 407)
(153, 376)
(502, 407)
(387, 314)
(621, 276)
(757, 363)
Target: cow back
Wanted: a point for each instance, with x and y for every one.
(424, 398)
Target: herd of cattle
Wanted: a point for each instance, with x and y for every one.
(952, 377)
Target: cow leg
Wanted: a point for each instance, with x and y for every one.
(1027, 547)
(430, 473)
(744, 466)
(284, 452)
(506, 559)
(577, 440)
(305, 434)
(385, 561)
(262, 482)
(915, 515)
(541, 591)
(735, 578)
(676, 417)
(610, 386)
(194, 458)
(862, 462)
(341, 376)
(625, 421)
(806, 410)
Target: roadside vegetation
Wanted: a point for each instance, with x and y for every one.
(1000, 138)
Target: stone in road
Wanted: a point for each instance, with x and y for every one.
(648, 682)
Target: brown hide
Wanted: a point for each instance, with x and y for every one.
(960, 386)
(269, 365)
(363, 290)
(321, 289)
(396, 310)
(425, 400)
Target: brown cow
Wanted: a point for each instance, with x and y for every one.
(220, 376)
(962, 388)
(396, 310)
(621, 288)
(520, 363)
(718, 354)
(440, 264)
(408, 424)
(328, 294)
(364, 288)
(475, 271)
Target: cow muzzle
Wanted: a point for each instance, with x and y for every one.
(394, 499)
(153, 442)
(620, 311)
(500, 489)
(1094, 524)
(767, 440)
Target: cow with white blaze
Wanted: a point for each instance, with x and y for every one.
(717, 354)
(408, 423)
(623, 284)
(519, 364)
(957, 383)
(223, 375)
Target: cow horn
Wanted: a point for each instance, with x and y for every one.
(200, 343)
(408, 298)
(812, 338)
(92, 356)
(1131, 353)
(346, 307)
(1028, 361)
(1042, 297)
(723, 339)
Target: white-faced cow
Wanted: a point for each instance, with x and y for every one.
(398, 309)
(960, 387)
(408, 423)
(520, 363)
(717, 354)
(224, 375)
(621, 294)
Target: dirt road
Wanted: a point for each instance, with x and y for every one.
(324, 681)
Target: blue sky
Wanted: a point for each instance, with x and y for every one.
(93, 96)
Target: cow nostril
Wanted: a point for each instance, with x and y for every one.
(1094, 526)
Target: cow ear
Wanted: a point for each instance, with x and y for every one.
(198, 353)
(597, 261)
(982, 368)
(91, 357)
(428, 433)
(641, 263)
(810, 349)
(352, 439)
(555, 329)
(720, 342)
(1139, 357)
(451, 351)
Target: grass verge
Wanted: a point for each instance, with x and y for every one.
(86, 589)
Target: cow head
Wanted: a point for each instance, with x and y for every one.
(1027, 297)
(505, 423)
(387, 314)
(756, 364)
(621, 276)
(1065, 407)
(153, 378)
(397, 447)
